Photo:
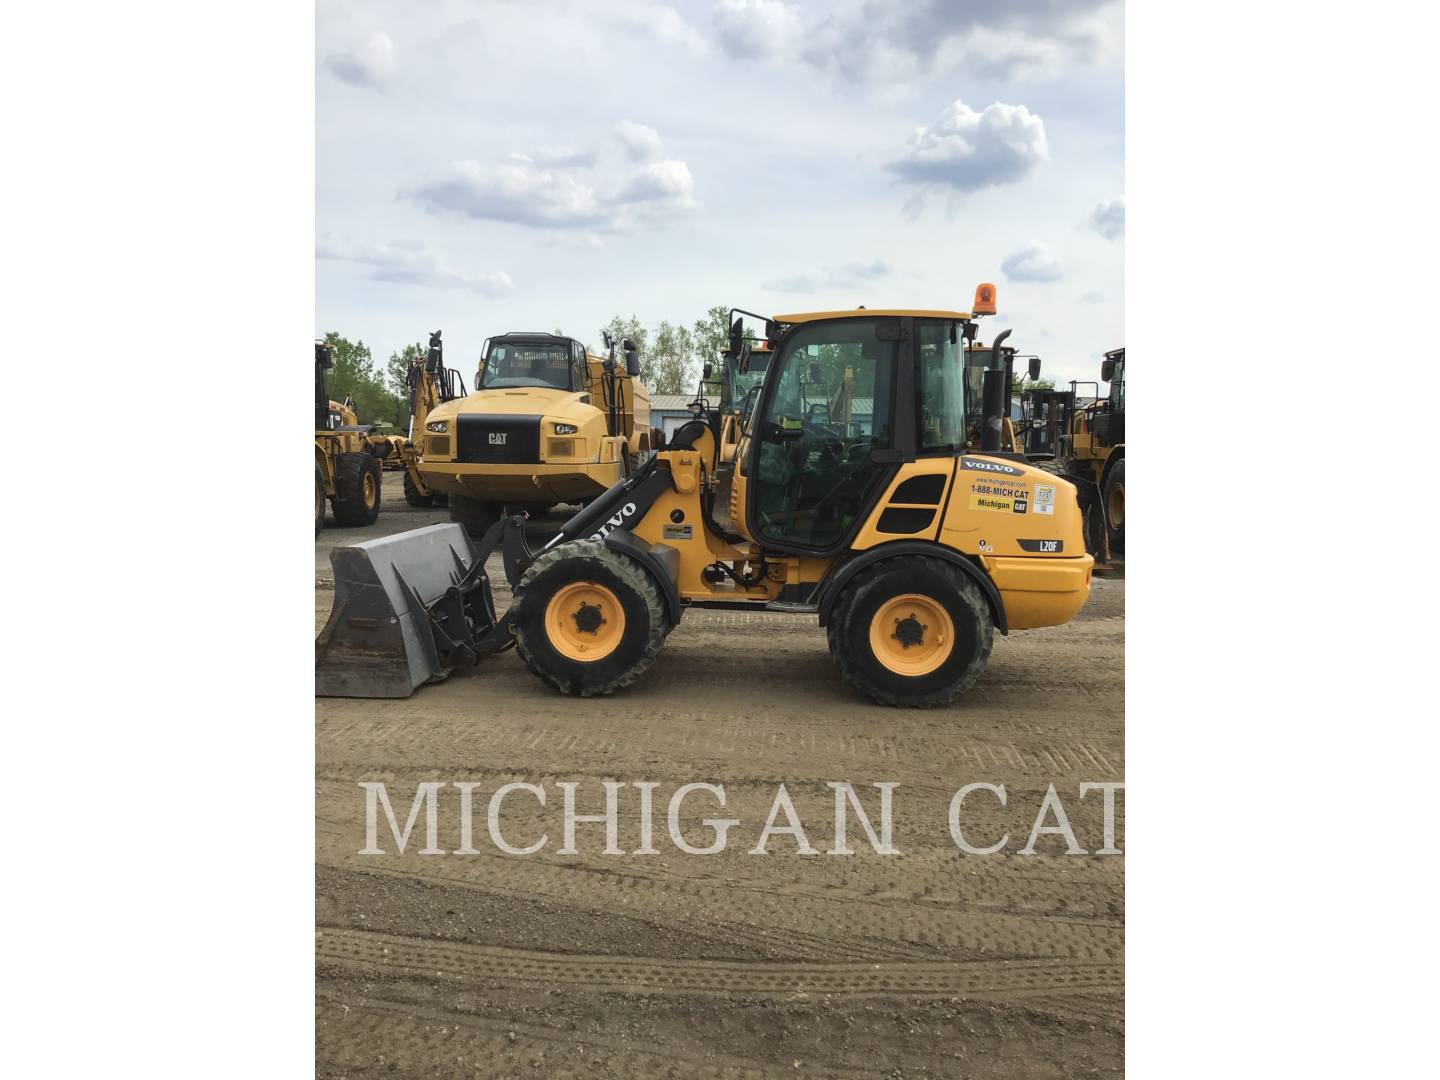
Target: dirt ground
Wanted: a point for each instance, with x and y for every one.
(927, 963)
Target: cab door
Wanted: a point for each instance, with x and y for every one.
(825, 437)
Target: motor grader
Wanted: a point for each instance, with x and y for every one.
(548, 423)
(870, 514)
(347, 455)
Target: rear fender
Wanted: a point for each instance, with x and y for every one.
(834, 584)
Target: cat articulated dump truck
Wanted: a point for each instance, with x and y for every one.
(548, 423)
(854, 499)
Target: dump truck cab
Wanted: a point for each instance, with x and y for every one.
(549, 422)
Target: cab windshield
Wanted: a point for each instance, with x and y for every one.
(527, 365)
(738, 386)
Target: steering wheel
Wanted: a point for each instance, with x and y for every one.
(832, 444)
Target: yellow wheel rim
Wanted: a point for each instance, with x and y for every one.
(912, 634)
(584, 621)
(1115, 505)
(370, 490)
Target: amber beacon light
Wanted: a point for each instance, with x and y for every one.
(984, 300)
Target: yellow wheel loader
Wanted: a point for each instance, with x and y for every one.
(347, 456)
(854, 499)
(548, 423)
(1093, 458)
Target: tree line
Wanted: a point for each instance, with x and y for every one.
(672, 356)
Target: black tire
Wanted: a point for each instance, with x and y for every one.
(1115, 505)
(1093, 521)
(441, 499)
(319, 499)
(943, 583)
(646, 622)
(414, 496)
(476, 515)
(356, 502)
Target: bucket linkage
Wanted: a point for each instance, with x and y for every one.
(411, 608)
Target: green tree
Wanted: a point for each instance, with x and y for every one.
(672, 359)
(620, 328)
(1024, 383)
(356, 376)
(711, 334)
(397, 370)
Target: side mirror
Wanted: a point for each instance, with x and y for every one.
(1034, 368)
(632, 358)
(737, 334)
(705, 373)
(1107, 370)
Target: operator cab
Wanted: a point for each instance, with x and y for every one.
(533, 360)
(849, 397)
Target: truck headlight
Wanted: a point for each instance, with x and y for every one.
(436, 426)
(565, 429)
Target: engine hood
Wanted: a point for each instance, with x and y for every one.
(524, 401)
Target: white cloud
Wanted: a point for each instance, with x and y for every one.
(1108, 218)
(849, 276)
(411, 262)
(561, 157)
(662, 183)
(868, 41)
(574, 190)
(518, 190)
(658, 21)
(641, 143)
(369, 62)
(967, 151)
(1092, 296)
(756, 29)
(1033, 262)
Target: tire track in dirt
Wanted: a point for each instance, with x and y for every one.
(393, 955)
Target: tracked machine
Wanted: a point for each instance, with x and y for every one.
(854, 498)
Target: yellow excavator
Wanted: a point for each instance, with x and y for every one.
(855, 498)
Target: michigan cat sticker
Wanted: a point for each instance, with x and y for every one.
(1004, 497)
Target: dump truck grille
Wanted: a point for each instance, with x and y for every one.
(498, 439)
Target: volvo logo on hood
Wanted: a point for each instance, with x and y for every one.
(976, 465)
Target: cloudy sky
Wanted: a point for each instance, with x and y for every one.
(485, 165)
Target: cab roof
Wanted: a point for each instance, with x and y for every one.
(861, 313)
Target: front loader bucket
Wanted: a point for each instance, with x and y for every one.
(408, 610)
